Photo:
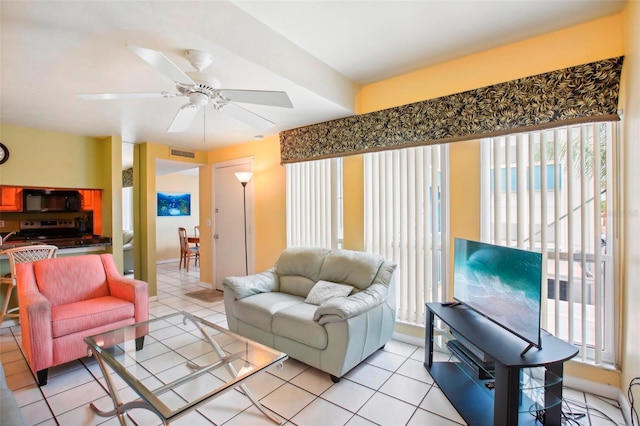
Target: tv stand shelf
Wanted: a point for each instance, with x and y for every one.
(507, 403)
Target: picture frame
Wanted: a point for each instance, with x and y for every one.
(174, 204)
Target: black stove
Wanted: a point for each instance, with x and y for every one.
(49, 229)
(58, 232)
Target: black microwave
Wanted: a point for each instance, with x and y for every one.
(51, 200)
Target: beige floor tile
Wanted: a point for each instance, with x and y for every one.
(322, 413)
(298, 394)
(287, 400)
(385, 410)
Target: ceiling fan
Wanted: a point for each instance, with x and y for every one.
(201, 89)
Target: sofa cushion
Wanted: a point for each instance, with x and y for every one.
(355, 268)
(296, 323)
(303, 265)
(325, 290)
(71, 279)
(249, 285)
(296, 285)
(79, 316)
(258, 310)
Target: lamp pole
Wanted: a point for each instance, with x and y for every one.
(244, 178)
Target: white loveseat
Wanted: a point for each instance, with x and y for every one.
(278, 307)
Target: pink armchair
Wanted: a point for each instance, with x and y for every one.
(66, 299)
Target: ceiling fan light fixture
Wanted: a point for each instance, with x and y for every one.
(199, 59)
(198, 99)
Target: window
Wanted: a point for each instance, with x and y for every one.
(406, 201)
(560, 187)
(314, 203)
(127, 208)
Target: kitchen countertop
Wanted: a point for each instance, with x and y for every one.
(62, 243)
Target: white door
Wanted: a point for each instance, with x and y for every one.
(229, 221)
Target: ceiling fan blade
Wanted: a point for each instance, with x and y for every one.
(262, 97)
(248, 117)
(159, 61)
(183, 118)
(109, 96)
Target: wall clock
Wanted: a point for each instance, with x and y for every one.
(4, 153)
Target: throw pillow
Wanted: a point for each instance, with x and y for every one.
(325, 290)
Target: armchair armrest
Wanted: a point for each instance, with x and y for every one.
(132, 290)
(35, 318)
(128, 289)
(263, 282)
(342, 308)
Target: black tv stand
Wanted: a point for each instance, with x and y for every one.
(506, 403)
(531, 345)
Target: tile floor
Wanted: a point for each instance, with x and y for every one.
(390, 388)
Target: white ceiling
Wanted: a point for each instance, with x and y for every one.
(319, 52)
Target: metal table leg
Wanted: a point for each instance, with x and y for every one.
(230, 368)
(120, 408)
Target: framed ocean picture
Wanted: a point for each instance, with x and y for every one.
(174, 204)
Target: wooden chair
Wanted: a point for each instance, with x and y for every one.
(186, 251)
(196, 232)
(21, 255)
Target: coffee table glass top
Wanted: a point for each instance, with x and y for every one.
(185, 361)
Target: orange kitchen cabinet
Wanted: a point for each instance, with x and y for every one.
(87, 199)
(10, 199)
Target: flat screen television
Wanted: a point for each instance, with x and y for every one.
(503, 284)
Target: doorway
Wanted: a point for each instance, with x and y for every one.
(229, 255)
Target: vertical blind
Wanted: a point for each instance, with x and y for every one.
(405, 220)
(548, 191)
(311, 205)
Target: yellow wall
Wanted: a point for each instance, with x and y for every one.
(630, 211)
(52, 159)
(353, 199)
(580, 44)
(269, 198)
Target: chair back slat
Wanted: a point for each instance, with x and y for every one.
(27, 254)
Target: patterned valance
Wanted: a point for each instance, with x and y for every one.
(127, 178)
(576, 94)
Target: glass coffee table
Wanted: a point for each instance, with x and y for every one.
(178, 363)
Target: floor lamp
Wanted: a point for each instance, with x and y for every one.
(244, 178)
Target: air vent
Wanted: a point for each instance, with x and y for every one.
(174, 152)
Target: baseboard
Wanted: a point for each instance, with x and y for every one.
(588, 386)
(160, 262)
(412, 340)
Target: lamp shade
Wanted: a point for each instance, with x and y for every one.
(244, 177)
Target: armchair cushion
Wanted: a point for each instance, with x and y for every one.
(92, 313)
(59, 279)
(127, 240)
